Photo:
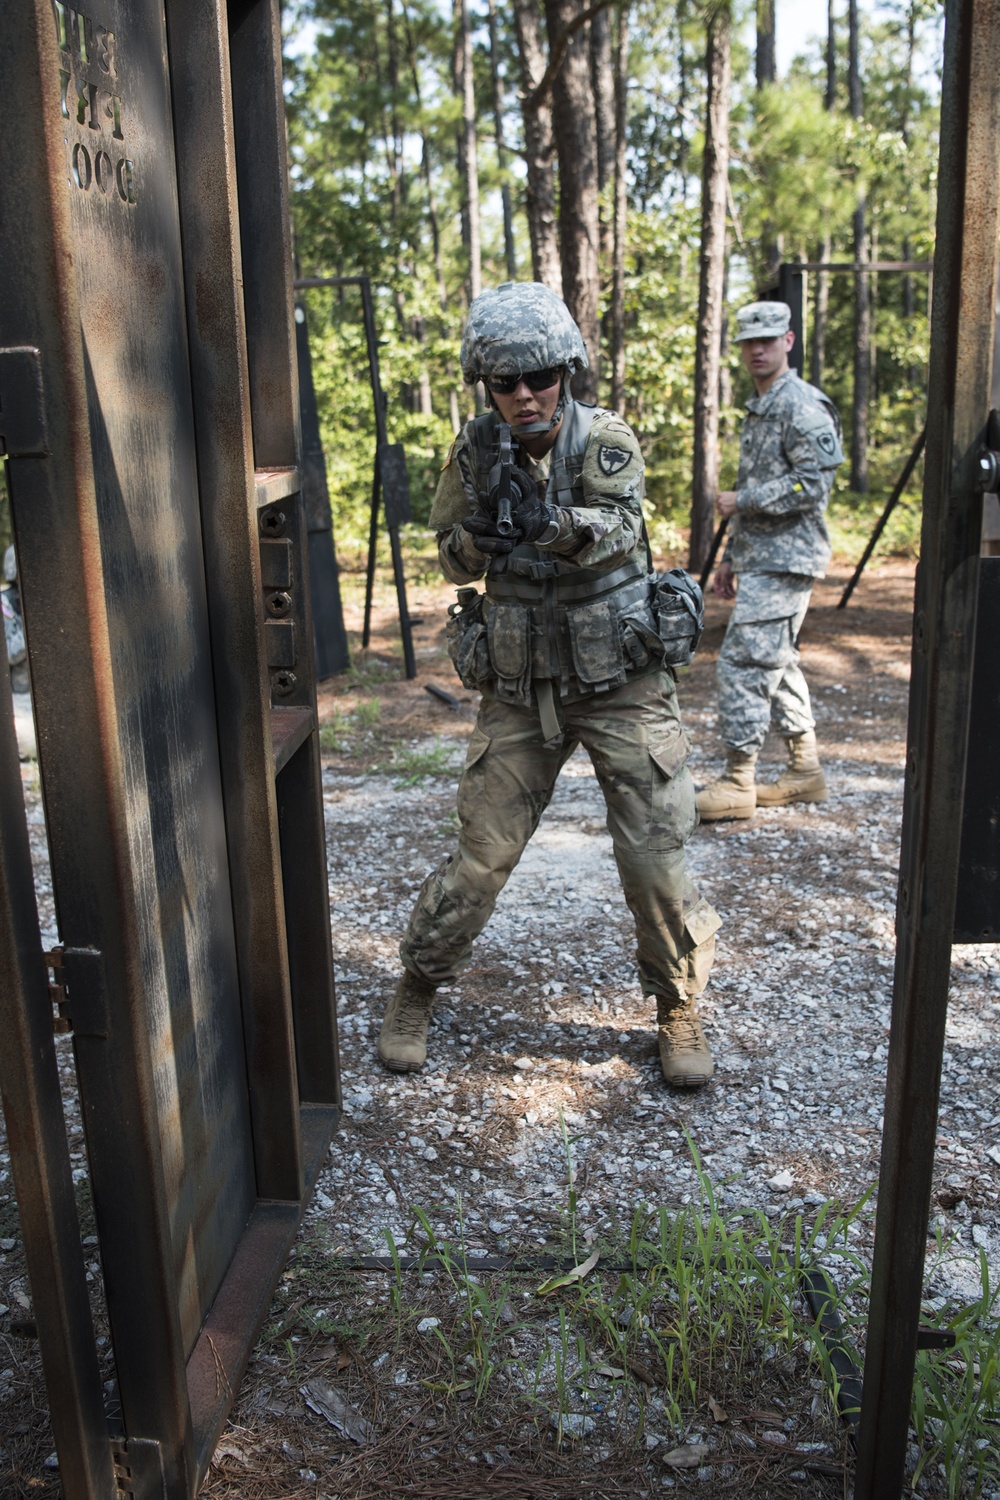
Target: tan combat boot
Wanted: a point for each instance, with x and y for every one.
(802, 780)
(402, 1043)
(685, 1056)
(734, 794)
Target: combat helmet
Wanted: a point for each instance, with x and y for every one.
(522, 325)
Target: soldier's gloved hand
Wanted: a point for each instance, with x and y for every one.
(483, 530)
(530, 515)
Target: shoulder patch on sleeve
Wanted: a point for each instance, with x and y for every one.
(611, 459)
(818, 428)
(612, 463)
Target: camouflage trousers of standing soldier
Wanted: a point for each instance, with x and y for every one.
(638, 749)
(758, 674)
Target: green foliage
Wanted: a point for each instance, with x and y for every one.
(956, 1394)
(372, 135)
(412, 765)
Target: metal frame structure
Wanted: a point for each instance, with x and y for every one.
(389, 480)
(962, 336)
(329, 634)
(150, 425)
(791, 278)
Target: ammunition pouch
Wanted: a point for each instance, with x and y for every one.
(608, 626)
(465, 635)
(678, 608)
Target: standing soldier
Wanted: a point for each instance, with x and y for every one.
(777, 547)
(570, 644)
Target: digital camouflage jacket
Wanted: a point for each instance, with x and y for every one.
(789, 453)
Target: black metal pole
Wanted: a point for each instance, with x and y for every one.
(891, 503)
(965, 262)
(409, 659)
(366, 633)
(371, 339)
(713, 552)
(790, 280)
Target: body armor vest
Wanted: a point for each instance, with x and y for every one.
(548, 629)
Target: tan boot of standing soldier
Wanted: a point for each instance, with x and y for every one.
(402, 1043)
(685, 1056)
(802, 780)
(734, 795)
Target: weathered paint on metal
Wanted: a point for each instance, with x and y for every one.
(965, 259)
(977, 906)
(57, 524)
(210, 217)
(39, 1153)
(139, 532)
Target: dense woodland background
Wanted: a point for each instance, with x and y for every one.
(645, 160)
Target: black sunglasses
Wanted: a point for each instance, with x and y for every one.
(535, 380)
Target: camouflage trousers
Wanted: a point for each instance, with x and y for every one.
(758, 673)
(638, 749)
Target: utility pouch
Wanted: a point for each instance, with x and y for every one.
(596, 645)
(465, 635)
(640, 639)
(679, 611)
(508, 633)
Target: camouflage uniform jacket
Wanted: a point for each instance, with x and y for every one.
(595, 485)
(573, 611)
(789, 452)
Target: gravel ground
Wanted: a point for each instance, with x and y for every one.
(549, 1015)
(548, 1021)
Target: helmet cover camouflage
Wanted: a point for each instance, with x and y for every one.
(520, 326)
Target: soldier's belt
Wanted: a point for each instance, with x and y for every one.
(529, 590)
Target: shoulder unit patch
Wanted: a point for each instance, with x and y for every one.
(612, 460)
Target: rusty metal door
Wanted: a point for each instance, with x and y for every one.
(148, 414)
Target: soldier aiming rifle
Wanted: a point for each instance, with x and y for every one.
(574, 641)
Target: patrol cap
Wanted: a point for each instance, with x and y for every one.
(763, 320)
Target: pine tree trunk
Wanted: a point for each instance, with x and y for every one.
(508, 219)
(432, 216)
(468, 165)
(575, 129)
(765, 60)
(817, 348)
(712, 263)
(725, 374)
(873, 313)
(683, 146)
(539, 149)
(862, 311)
(603, 79)
(766, 74)
(831, 56)
(620, 217)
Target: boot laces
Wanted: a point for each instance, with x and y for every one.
(683, 1031)
(411, 1017)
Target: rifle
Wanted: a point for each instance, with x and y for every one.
(498, 502)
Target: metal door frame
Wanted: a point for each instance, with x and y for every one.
(225, 82)
(962, 335)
